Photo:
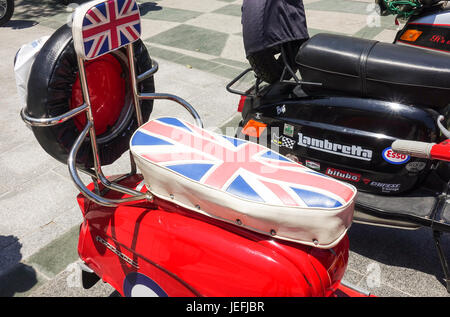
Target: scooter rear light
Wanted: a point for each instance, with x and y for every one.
(241, 103)
(254, 128)
(411, 35)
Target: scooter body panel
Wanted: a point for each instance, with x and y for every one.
(429, 30)
(165, 250)
(349, 138)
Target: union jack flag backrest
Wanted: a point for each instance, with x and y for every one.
(102, 26)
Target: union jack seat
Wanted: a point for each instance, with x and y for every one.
(102, 26)
(241, 182)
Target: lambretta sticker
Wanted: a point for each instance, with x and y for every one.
(352, 151)
(343, 174)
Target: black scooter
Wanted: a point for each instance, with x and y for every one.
(345, 100)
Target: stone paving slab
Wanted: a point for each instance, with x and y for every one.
(198, 44)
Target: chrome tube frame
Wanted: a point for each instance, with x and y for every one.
(71, 162)
(46, 122)
(89, 132)
(155, 96)
(181, 101)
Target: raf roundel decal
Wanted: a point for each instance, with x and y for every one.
(139, 285)
(394, 158)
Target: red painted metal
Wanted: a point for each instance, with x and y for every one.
(421, 46)
(441, 151)
(241, 103)
(188, 254)
(345, 291)
(106, 91)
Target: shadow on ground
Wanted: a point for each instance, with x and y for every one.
(31, 9)
(147, 7)
(19, 278)
(20, 24)
(28, 11)
(414, 249)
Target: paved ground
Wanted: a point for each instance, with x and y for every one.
(198, 44)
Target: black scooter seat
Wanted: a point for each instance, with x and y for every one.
(367, 68)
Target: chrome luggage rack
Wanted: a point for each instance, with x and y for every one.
(89, 130)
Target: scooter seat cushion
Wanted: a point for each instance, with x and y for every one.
(367, 68)
(241, 182)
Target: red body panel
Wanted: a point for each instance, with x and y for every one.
(106, 92)
(441, 151)
(187, 254)
(345, 291)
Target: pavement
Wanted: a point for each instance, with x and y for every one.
(198, 44)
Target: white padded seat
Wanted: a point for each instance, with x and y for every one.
(241, 182)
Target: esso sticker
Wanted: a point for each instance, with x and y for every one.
(393, 157)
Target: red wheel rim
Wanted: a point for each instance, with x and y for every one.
(107, 90)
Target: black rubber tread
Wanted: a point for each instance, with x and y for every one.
(9, 12)
(49, 92)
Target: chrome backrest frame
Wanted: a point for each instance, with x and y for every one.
(89, 129)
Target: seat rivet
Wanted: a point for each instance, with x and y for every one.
(315, 242)
(273, 232)
(172, 196)
(197, 206)
(238, 221)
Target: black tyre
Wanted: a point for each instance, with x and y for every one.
(51, 89)
(6, 11)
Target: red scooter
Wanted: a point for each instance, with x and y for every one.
(208, 215)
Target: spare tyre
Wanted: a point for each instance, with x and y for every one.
(54, 88)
